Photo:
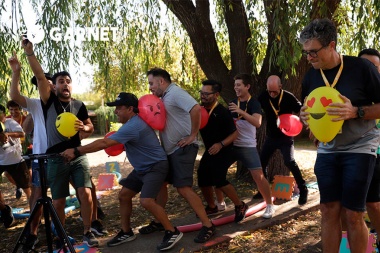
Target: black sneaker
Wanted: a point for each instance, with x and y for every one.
(30, 243)
(7, 216)
(152, 227)
(205, 234)
(303, 196)
(18, 193)
(90, 240)
(97, 228)
(240, 212)
(170, 239)
(122, 237)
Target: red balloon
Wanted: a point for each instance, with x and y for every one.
(114, 150)
(152, 111)
(289, 124)
(204, 117)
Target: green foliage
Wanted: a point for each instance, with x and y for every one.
(105, 115)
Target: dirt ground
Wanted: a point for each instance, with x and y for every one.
(300, 235)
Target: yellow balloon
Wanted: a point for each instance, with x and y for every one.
(65, 124)
(319, 121)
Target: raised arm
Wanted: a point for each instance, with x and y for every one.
(15, 83)
(43, 84)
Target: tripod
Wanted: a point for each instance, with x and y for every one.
(48, 209)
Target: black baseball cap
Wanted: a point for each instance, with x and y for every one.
(125, 98)
(47, 75)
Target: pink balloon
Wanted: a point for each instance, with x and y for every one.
(114, 150)
(289, 124)
(204, 117)
(152, 111)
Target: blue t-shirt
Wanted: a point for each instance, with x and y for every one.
(141, 144)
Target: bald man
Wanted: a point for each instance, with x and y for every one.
(274, 102)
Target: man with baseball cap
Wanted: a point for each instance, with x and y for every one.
(150, 165)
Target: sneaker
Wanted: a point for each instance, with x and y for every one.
(7, 216)
(122, 237)
(18, 193)
(97, 228)
(257, 196)
(221, 206)
(210, 210)
(240, 212)
(170, 239)
(30, 243)
(303, 196)
(205, 234)
(269, 211)
(152, 227)
(90, 240)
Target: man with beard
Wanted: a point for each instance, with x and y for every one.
(218, 156)
(59, 173)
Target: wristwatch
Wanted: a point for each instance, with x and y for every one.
(360, 112)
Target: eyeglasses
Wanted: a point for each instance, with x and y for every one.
(206, 94)
(312, 53)
(273, 91)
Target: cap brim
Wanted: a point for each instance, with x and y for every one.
(115, 103)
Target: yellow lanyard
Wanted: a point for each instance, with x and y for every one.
(239, 116)
(336, 77)
(279, 102)
(212, 108)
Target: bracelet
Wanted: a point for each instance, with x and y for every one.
(29, 54)
(221, 143)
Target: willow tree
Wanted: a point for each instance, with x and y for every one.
(226, 36)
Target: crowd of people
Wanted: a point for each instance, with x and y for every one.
(346, 168)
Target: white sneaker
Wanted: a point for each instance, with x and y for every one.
(269, 211)
(221, 206)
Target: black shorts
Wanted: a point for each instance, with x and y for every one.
(213, 169)
(19, 172)
(373, 194)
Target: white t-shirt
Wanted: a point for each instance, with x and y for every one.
(39, 132)
(10, 153)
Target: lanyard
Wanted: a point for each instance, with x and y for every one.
(239, 116)
(212, 108)
(279, 102)
(336, 77)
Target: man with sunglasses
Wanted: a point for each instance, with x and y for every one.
(275, 101)
(344, 166)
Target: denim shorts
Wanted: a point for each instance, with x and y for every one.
(344, 177)
(248, 156)
(374, 188)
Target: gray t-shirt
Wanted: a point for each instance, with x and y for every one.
(178, 104)
(141, 144)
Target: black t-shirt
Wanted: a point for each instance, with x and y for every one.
(56, 142)
(220, 125)
(289, 105)
(358, 81)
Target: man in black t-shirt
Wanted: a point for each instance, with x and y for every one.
(344, 166)
(275, 101)
(218, 136)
